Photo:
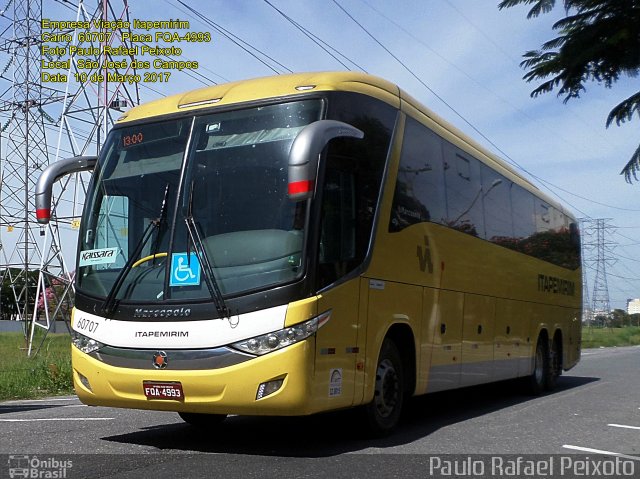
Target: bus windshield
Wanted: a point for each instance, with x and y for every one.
(169, 194)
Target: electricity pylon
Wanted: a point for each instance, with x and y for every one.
(42, 283)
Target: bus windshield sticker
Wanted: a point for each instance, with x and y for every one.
(185, 271)
(335, 383)
(98, 256)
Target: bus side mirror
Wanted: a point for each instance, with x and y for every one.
(305, 151)
(53, 173)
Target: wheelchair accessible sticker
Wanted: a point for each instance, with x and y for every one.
(185, 270)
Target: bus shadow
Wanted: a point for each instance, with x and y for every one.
(339, 432)
(12, 408)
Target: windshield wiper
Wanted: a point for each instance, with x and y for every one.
(203, 257)
(109, 303)
(161, 219)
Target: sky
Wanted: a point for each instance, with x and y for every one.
(458, 57)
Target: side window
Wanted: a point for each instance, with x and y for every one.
(464, 191)
(558, 220)
(554, 242)
(497, 206)
(419, 194)
(544, 216)
(113, 229)
(575, 246)
(524, 224)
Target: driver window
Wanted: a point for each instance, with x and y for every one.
(338, 233)
(337, 253)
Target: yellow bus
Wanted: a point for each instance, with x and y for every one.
(310, 242)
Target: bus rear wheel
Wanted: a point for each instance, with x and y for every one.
(555, 364)
(383, 413)
(203, 421)
(540, 377)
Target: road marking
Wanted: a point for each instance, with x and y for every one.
(599, 451)
(22, 401)
(624, 426)
(60, 419)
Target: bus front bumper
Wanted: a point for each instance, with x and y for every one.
(229, 390)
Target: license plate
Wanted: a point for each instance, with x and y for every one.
(163, 390)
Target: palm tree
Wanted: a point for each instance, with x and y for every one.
(599, 41)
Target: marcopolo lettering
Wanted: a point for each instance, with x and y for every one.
(162, 313)
(551, 284)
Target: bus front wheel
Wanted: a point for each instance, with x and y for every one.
(383, 413)
(202, 420)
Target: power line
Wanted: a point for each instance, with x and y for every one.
(550, 186)
(317, 40)
(244, 45)
(580, 196)
(458, 114)
(516, 62)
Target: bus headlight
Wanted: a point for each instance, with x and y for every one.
(85, 344)
(269, 342)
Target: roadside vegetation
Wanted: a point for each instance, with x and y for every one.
(47, 373)
(609, 337)
(617, 329)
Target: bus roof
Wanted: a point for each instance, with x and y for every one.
(266, 87)
(281, 86)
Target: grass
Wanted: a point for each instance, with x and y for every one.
(608, 337)
(45, 374)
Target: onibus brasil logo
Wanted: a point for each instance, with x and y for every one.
(40, 468)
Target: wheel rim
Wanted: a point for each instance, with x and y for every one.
(539, 370)
(387, 389)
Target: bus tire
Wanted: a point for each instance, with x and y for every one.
(203, 421)
(383, 413)
(555, 365)
(539, 379)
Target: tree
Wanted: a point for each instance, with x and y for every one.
(599, 40)
(619, 318)
(53, 295)
(8, 307)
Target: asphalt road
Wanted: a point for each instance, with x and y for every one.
(594, 411)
